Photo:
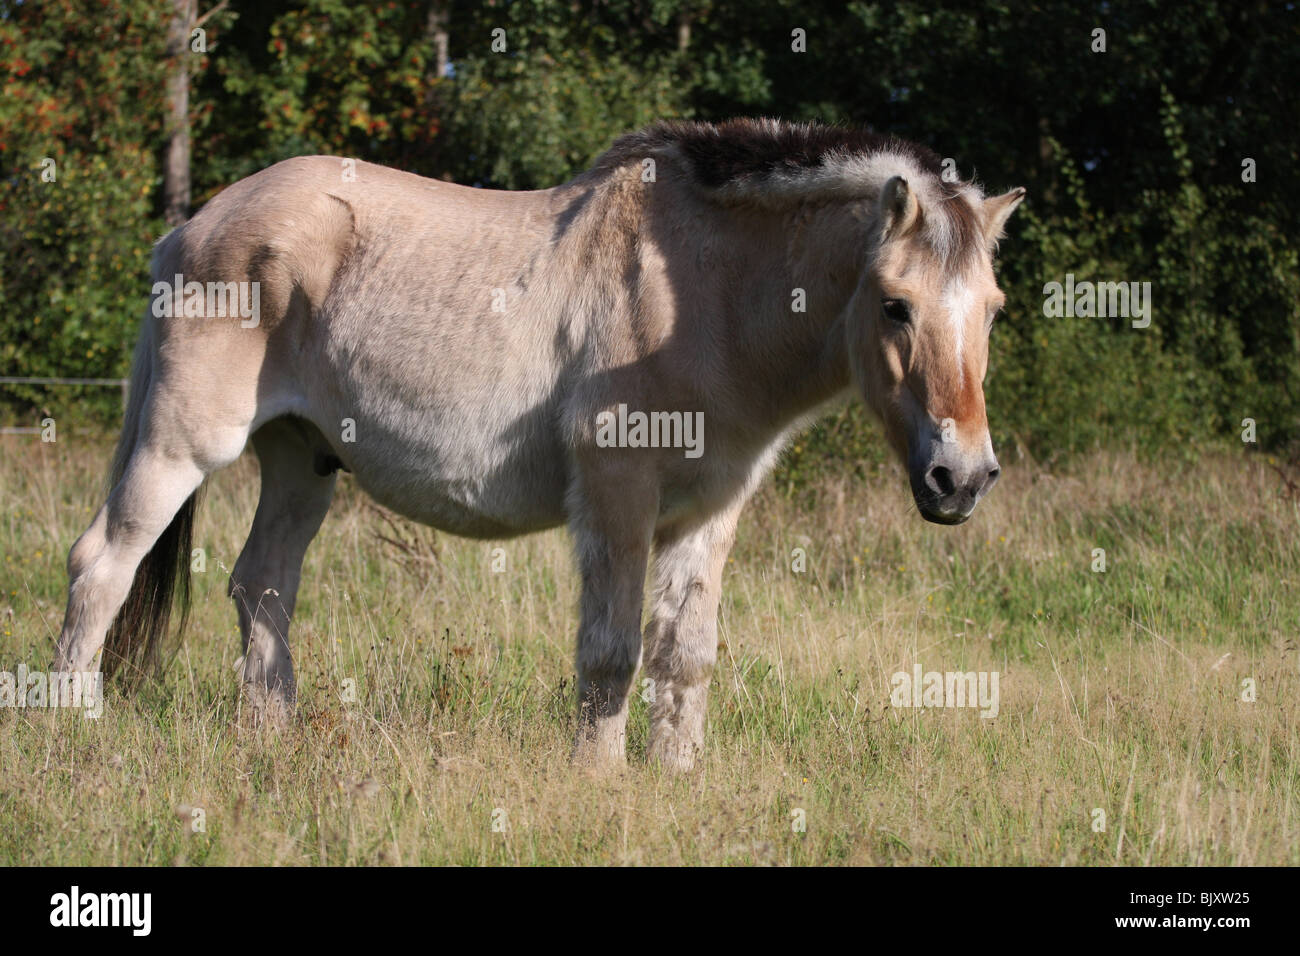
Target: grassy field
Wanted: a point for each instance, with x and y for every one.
(1123, 692)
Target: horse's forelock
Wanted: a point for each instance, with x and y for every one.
(952, 228)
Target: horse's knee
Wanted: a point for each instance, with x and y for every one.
(680, 658)
(682, 648)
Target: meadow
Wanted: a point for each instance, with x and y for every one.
(1147, 712)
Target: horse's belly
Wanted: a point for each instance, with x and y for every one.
(479, 473)
(507, 497)
(451, 423)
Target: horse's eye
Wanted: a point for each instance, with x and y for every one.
(896, 310)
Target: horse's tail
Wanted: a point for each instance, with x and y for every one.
(132, 647)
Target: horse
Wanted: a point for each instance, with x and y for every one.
(464, 352)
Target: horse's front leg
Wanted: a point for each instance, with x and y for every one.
(682, 637)
(612, 508)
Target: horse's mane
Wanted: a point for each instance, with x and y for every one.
(774, 163)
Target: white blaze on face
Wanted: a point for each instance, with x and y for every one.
(957, 300)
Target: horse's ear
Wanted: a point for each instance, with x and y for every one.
(898, 208)
(998, 209)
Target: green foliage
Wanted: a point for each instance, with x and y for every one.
(75, 270)
(583, 101)
(1209, 358)
(328, 76)
(1132, 157)
(79, 116)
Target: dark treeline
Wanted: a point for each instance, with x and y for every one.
(1162, 150)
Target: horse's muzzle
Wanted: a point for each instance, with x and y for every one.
(949, 487)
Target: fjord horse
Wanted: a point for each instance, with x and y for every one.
(460, 351)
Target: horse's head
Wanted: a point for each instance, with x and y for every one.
(919, 333)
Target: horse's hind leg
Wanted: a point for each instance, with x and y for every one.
(102, 564)
(682, 637)
(264, 582)
(123, 570)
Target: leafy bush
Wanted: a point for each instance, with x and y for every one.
(1122, 187)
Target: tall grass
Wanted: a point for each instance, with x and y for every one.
(1121, 692)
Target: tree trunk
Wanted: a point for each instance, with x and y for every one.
(439, 15)
(176, 166)
(436, 32)
(683, 31)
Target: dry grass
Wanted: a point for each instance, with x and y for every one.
(1120, 691)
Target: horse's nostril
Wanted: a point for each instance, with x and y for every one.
(940, 480)
(986, 485)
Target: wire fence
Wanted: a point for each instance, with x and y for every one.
(123, 383)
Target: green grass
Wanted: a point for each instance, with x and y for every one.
(1120, 691)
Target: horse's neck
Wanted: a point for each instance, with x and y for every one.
(798, 359)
